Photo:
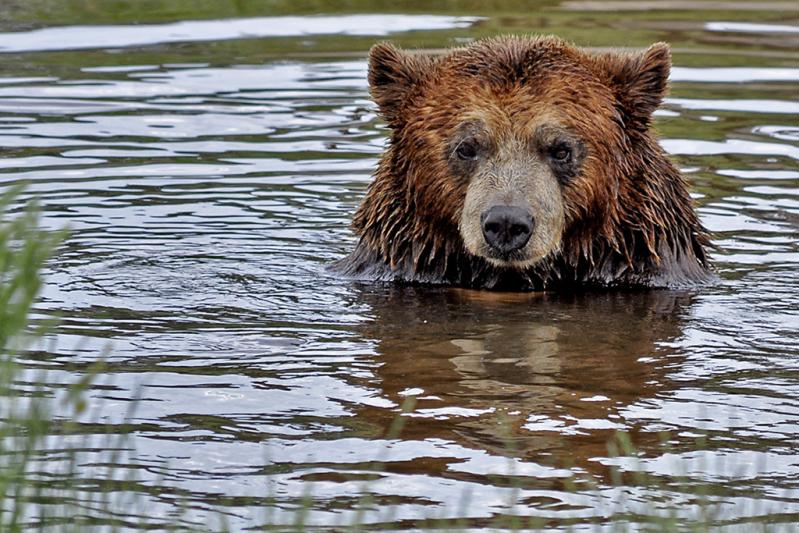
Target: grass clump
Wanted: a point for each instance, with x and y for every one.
(25, 417)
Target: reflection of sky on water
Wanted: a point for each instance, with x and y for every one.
(121, 36)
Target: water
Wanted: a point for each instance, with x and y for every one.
(208, 172)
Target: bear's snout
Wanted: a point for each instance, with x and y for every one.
(507, 228)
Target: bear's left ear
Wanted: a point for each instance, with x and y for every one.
(639, 81)
(392, 73)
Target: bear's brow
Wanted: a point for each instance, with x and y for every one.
(516, 60)
(552, 132)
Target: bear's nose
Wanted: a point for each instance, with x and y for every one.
(507, 228)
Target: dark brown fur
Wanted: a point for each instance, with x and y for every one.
(629, 218)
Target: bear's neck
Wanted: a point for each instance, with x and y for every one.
(653, 239)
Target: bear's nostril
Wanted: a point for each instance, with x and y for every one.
(492, 227)
(507, 228)
(518, 229)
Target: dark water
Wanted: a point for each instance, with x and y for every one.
(208, 172)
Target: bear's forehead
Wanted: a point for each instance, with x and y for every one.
(517, 74)
(554, 88)
(513, 60)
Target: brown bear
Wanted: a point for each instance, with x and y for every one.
(521, 163)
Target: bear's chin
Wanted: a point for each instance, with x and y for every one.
(538, 252)
(514, 260)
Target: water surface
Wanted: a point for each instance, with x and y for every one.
(208, 171)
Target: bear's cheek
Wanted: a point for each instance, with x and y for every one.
(589, 195)
(549, 215)
(436, 196)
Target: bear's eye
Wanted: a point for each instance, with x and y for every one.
(466, 151)
(560, 152)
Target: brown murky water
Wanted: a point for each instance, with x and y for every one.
(208, 171)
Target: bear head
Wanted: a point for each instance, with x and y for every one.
(523, 153)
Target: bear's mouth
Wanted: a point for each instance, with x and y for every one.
(539, 247)
(517, 259)
(507, 258)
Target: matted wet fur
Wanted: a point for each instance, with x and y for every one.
(531, 122)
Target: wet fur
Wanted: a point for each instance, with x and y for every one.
(630, 219)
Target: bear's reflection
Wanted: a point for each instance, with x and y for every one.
(561, 369)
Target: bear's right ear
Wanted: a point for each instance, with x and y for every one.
(392, 73)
